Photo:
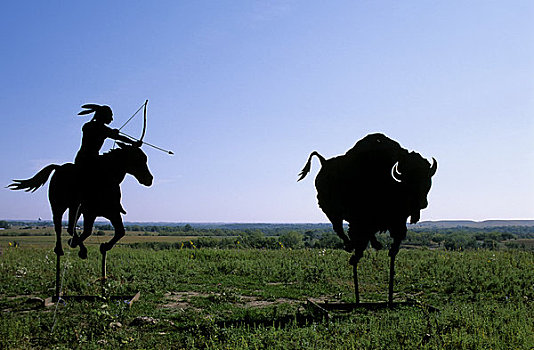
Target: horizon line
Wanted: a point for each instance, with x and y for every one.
(268, 222)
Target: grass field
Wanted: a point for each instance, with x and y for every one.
(246, 298)
(44, 237)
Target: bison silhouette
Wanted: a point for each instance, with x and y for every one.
(374, 187)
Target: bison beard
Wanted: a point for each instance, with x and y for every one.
(375, 187)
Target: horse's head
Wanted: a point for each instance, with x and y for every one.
(135, 162)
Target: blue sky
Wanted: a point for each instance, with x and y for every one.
(243, 91)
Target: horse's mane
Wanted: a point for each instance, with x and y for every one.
(112, 155)
(112, 152)
(125, 153)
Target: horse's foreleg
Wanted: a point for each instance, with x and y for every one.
(88, 221)
(116, 221)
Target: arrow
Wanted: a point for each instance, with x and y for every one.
(148, 144)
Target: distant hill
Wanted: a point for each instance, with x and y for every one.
(423, 224)
(441, 224)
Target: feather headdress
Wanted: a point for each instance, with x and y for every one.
(90, 108)
(94, 108)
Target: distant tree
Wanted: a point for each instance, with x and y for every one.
(460, 241)
(292, 239)
(4, 224)
(329, 240)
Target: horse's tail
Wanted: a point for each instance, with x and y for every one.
(307, 167)
(36, 181)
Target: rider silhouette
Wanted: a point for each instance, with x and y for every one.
(95, 132)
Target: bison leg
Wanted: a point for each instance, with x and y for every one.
(337, 226)
(354, 262)
(356, 289)
(375, 243)
(391, 277)
(398, 236)
(360, 243)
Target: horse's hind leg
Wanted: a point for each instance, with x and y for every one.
(74, 216)
(57, 216)
(116, 221)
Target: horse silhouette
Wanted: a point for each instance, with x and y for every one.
(95, 194)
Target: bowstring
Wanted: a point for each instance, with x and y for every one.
(126, 122)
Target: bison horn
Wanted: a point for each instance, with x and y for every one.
(395, 174)
(434, 167)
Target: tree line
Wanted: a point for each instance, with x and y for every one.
(292, 239)
(296, 236)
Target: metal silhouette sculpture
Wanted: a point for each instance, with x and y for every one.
(375, 187)
(91, 185)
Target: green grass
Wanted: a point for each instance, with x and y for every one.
(243, 299)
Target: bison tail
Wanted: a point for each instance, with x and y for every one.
(307, 167)
(36, 181)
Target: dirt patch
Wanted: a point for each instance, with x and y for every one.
(180, 300)
(21, 303)
(252, 301)
(183, 300)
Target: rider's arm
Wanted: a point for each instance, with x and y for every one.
(115, 135)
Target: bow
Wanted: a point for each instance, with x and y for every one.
(144, 129)
(144, 121)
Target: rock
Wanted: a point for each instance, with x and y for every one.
(143, 321)
(35, 302)
(115, 325)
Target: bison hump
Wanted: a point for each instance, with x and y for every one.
(374, 143)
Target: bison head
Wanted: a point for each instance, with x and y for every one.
(414, 174)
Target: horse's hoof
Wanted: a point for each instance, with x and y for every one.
(59, 251)
(82, 254)
(72, 242)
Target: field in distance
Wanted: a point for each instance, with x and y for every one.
(44, 237)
